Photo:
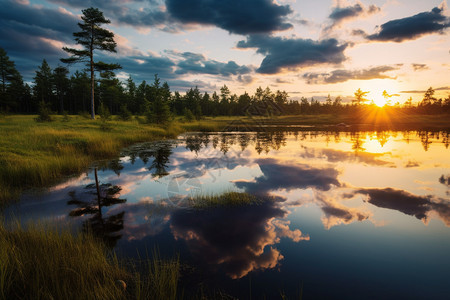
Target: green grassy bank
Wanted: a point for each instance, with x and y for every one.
(36, 154)
(41, 262)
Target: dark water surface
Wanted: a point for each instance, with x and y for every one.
(355, 215)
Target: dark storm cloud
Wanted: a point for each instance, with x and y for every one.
(196, 63)
(235, 16)
(340, 14)
(337, 76)
(279, 176)
(400, 200)
(407, 203)
(413, 27)
(149, 17)
(145, 67)
(292, 53)
(30, 33)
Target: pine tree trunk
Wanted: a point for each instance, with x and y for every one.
(92, 74)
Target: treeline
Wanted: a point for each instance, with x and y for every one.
(64, 93)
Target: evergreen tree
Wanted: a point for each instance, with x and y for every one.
(92, 37)
(7, 70)
(61, 85)
(161, 110)
(12, 89)
(43, 83)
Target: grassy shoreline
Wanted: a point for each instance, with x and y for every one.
(36, 155)
(45, 262)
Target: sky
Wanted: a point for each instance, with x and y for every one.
(306, 48)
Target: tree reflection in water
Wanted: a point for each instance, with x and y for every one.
(160, 152)
(265, 141)
(106, 228)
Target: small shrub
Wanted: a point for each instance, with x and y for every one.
(44, 113)
(188, 115)
(124, 114)
(105, 116)
(84, 114)
(65, 117)
(149, 116)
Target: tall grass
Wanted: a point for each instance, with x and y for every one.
(159, 280)
(42, 262)
(39, 262)
(224, 200)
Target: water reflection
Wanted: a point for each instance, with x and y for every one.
(104, 227)
(160, 153)
(236, 240)
(362, 191)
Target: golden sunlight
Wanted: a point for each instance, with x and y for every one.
(381, 92)
(377, 98)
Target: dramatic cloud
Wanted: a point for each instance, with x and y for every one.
(419, 67)
(29, 34)
(332, 155)
(444, 88)
(337, 215)
(407, 203)
(340, 14)
(196, 63)
(235, 16)
(293, 53)
(236, 239)
(337, 76)
(150, 17)
(279, 176)
(411, 28)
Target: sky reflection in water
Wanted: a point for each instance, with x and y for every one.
(352, 211)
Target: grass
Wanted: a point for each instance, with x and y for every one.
(160, 280)
(229, 199)
(38, 263)
(41, 262)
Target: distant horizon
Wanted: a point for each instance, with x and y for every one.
(306, 49)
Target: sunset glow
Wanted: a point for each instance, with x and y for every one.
(307, 48)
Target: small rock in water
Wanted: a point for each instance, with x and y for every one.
(122, 284)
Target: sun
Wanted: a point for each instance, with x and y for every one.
(376, 87)
(378, 98)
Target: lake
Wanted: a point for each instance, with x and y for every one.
(348, 214)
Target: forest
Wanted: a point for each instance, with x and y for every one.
(66, 93)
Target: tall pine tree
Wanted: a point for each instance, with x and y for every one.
(92, 37)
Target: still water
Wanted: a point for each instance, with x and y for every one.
(353, 214)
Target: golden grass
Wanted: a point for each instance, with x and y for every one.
(39, 262)
(44, 262)
(228, 199)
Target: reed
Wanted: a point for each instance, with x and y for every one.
(40, 262)
(228, 199)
